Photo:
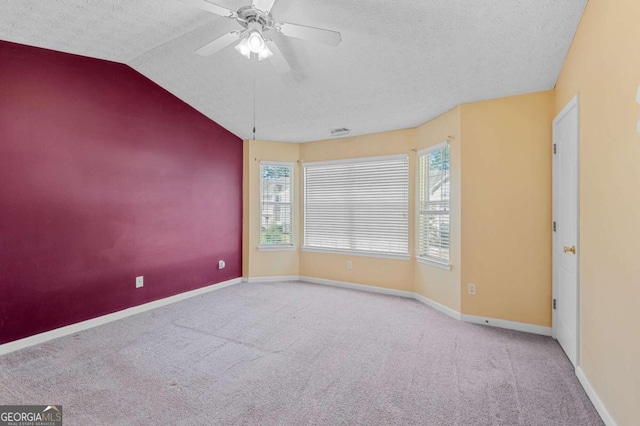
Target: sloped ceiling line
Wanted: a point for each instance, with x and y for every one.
(399, 63)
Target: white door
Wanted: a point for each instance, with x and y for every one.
(565, 232)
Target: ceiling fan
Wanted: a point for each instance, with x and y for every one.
(257, 22)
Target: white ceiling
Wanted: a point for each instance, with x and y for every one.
(400, 62)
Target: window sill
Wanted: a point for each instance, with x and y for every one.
(358, 253)
(276, 248)
(435, 263)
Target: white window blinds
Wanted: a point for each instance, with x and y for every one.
(276, 204)
(357, 205)
(434, 192)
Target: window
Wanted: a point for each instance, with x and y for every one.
(276, 205)
(434, 193)
(357, 206)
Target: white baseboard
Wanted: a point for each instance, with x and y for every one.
(104, 319)
(437, 306)
(271, 279)
(510, 325)
(595, 399)
(361, 287)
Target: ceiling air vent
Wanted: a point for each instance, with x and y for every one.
(343, 131)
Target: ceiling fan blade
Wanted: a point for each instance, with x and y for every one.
(263, 5)
(219, 43)
(332, 38)
(211, 8)
(278, 60)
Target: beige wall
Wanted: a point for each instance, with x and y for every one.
(502, 151)
(258, 263)
(390, 273)
(506, 208)
(437, 284)
(500, 218)
(603, 67)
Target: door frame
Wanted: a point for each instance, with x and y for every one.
(573, 103)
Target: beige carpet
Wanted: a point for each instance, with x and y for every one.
(298, 354)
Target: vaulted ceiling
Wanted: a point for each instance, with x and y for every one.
(400, 62)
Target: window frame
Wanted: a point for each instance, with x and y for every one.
(365, 253)
(291, 203)
(439, 262)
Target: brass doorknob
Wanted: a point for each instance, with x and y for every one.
(571, 249)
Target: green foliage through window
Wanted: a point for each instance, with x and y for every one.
(434, 192)
(276, 205)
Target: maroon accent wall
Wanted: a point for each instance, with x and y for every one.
(105, 176)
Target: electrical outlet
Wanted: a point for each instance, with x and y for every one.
(221, 264)
(349, 264)
(471, 289)
(139, 281)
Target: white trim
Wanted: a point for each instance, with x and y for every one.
(435, 263)
(438, 263)
(356, 160)
(380, 255)
(510, 325)
(595, 399)
(105, 319)
(573, 103)
(361, 287)
(554, 242)
(277, 163)
(291, 202)
(437, 306)
(432, 148)
(277, 248)
(273, 279)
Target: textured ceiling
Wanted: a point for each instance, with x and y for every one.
(400, 62)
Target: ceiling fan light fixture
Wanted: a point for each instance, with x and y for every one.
(243, 48)
(255, 41)
(265, 53)
(254, 19)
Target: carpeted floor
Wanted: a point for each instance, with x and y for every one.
(298, 354)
